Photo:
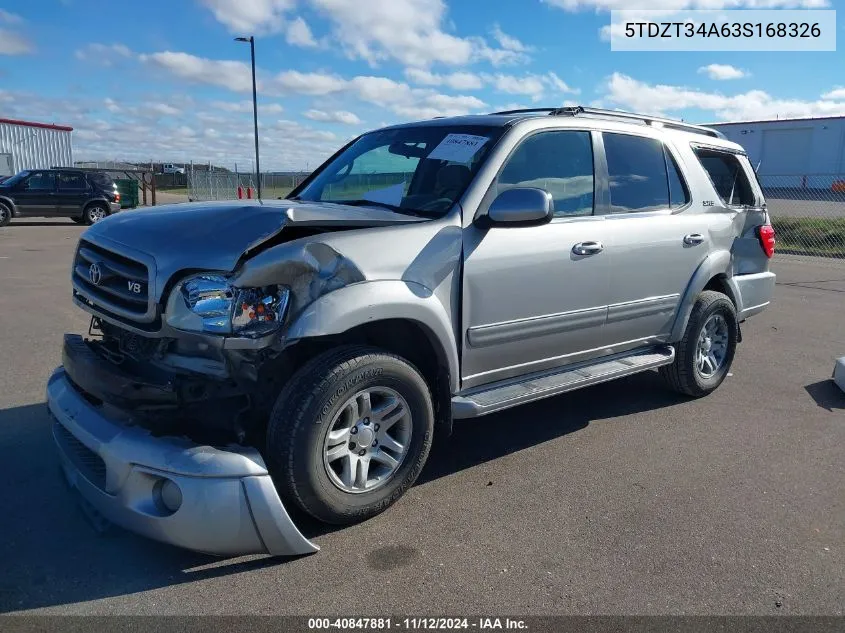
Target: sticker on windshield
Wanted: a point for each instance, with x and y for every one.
(458, 148)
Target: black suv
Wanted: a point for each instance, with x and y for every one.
(84, 197)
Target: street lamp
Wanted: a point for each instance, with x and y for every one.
(251, 41)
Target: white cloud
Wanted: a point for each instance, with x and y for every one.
(12, 43)
(298, 33)
(247, 17)
(161, 109)
(722, 72)
(103, 54)
(835, 94)
(337, 116)
(235, 76)
(457, 81)
(532, 85)
(315, 84)
(509, 43)
(624, 91)
(246, 107)
(10, 18)
(679, 5)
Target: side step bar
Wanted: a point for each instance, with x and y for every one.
(504, 395)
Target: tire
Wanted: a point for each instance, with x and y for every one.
(94, 213)
(5, 215)
(686, 374)
(317, 400)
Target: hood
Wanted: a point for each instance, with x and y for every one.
(214, 235)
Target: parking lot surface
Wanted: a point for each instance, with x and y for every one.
(619, 499)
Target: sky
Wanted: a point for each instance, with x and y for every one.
(164, 80)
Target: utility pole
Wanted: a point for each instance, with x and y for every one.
(251, 41)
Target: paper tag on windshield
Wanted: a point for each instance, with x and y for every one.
(458, 148)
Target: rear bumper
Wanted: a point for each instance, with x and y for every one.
(114, 207)
(753, 292)
(229, 505)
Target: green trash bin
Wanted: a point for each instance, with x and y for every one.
(128, 189)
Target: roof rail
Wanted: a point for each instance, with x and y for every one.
(628, 116)
(644, 118)
(526, 111)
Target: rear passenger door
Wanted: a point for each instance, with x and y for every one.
(72, 193)
(657, 238)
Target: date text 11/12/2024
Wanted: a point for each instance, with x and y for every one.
(421, 623)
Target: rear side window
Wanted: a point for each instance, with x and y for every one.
(728, 177)
(70, 181)
(637, 169)
(561, 162)
(103, 181)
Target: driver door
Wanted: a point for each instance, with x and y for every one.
(530, 301)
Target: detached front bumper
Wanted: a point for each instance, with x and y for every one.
(228, 507)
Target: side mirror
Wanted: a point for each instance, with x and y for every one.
(520, 206)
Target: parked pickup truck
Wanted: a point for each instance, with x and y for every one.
(248, 357)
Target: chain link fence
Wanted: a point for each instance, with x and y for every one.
(808, 213)
(212, 185)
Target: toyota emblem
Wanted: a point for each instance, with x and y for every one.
(95, 274)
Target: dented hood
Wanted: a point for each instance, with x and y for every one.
(214, 235)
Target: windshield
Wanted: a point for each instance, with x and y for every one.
(15, 179)
(419, 169)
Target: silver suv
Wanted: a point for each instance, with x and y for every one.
(248, 357)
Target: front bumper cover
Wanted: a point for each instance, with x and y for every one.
(229, 504)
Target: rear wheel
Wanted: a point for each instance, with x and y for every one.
(5, 214)
(704, 355)
(350, 433)
(94, 213)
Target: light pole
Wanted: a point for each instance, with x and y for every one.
(251, 41)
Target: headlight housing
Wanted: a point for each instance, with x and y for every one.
(209, 303)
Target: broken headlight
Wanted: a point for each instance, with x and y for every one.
(209, 303)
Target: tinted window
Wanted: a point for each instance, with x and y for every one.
(637, 170)
(678, 194)
(41, 181)
(559, 162)
(728, 177)
(101, 180)
(72, 181)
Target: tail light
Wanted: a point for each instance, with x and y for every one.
(766, 235)
(117, 197)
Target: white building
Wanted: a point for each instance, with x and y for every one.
(27, 145)
(793, 152)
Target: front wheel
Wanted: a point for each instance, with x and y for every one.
(350, 433)
(5, 214)
(704, 355)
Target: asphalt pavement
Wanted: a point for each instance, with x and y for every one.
(618, 499)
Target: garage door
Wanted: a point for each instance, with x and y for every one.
(786, 152)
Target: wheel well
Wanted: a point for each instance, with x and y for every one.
(408, 339)
(99, 203)
(719, 283)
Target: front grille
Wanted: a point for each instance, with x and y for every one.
(87, 462)
(111, 281)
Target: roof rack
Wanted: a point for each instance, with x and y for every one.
(618, 114)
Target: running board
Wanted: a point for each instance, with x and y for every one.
(508, 394)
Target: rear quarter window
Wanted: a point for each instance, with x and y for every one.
(727, 175)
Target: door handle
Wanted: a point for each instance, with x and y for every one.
(693, 238)
(588, 248)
